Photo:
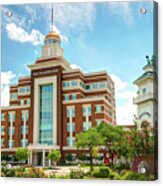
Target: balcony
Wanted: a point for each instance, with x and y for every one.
(143, 98)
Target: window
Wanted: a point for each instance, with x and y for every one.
(84, 111)
(89, 111)
(22, 142)
(74, 83)
(66, 84)
(22, 102)
(87, 125)
(68, 112)
(11, 132)
(87, 87)
(2, 117)
(73, 96)
(144, 91)
(14, 96)
(23, 90)
(102, 85)
(68, 127)
(73, 141)
(24, 115)
(11, 116)
(2, 129)
(94, 86)
(2, 142)
(73, 112)
(26, 129)
(66, 97)
(12, 143)
(68, 141)
(28, 101)
(98, 108)
(73, 127)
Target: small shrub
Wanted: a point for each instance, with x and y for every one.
(76, 175)
(101, 173)
(136, 176)
(114, 176)
(7, 172)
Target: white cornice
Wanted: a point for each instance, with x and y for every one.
(15, 107)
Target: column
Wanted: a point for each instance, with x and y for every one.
(24, 124)
(49, 159)
(43, 158)
(11, 126)
(71, 126)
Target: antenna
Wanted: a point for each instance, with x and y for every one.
(52, 18)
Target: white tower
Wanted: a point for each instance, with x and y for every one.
(146, 99)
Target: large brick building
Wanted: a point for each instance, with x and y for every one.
(48, 108)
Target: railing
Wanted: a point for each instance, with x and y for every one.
(142, 98)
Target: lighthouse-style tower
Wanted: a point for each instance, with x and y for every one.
(146, 99)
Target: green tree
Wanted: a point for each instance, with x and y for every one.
(113, 138)
(89, 139)
(54, 155)
(22, 154)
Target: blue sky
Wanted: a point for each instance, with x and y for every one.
(112, 36)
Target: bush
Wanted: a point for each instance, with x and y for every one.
(136, 176)
(7, 172)
(76, 175)
(100, 173)
(114, 176)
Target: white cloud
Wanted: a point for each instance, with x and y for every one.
(18, 34)
(123, 10)
(64, 38)
(6, 78)
(125, 109)
(75, 66)
(71, 15)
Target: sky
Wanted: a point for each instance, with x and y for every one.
(112, 36)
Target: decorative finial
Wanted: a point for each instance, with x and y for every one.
(148, 61)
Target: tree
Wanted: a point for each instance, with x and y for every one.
(22, 154)
(54, 155)
(89, 139)
(112, 136)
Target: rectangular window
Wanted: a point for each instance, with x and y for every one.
(94, 86)
(11, 116)
(68, 141)
(2, 117)
(73, 127)
(68, 127)
(2, 142)
(22, 142)
(28, 102)
(87, 87)
(28, 89)
(11, 132)
(22, 102)
(24, 115)
(73, 112)
(2, 129)
(26, 129)
(66, 84)
(14, 96)
(23, 90)
(89, 111)
(73, 96)
(73, 141)
(66, 97)
(86, 125)
(102, 85)
(74, 83)
(98, 108)
(84, 111)
(12, 143)
(68, 112)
